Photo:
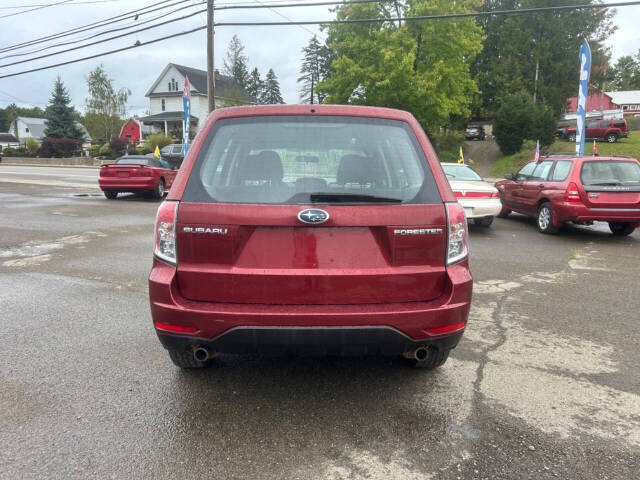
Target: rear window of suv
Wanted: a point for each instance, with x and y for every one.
(610, 173)
(304, 159)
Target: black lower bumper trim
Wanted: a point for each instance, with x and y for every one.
(310, 341)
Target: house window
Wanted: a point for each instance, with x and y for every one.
(625, 107)
(163, 105)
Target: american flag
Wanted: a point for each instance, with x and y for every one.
(537, 156)
(186, 102)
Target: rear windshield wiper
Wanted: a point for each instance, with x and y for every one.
(350, 197)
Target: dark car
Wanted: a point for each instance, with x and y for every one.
(474, 132)
(174, 154)
(136, 173)
(609, 130)
(310, 229)
(564, 189)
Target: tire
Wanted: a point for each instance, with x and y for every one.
(572, 138)
(158, 192)
(483, 221)
(611, 138)
(110, 194)
(621, 229)
(435, 358)
(504, 213)
(544, 221)
(186, 360)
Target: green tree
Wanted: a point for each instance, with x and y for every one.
(423, 67)
(626, 73)
(61, 116)
(4, 120)
(518, 119)
(235, 65)
(254, 86)
(271, 92)
(105, 105)
(517, 46)
(316, 65)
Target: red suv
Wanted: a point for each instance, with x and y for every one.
(609, 130)
(310, 229)
(563, 189)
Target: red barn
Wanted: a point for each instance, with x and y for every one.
(134, 131)
(595, 101)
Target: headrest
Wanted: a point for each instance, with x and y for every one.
(266, 165)
(356, 169)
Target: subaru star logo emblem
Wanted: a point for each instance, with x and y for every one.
(313, 215)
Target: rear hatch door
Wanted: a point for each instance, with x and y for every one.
(611, 184)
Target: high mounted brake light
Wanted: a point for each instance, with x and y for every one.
(457, 247)
(165, 231)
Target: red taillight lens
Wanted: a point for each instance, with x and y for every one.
(104, 171)
(475, 194)
(572, 194)
(175, 328)
(495, 195)
(166, 248)
(447, 328)
(144, 172)
(457, 247)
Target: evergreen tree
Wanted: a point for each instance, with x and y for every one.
(255, 86)
(61, 116)
(235, 65)
(316, 65)
(271, 92)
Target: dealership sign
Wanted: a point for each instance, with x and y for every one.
(585, 70)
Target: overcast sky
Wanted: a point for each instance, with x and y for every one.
(267, 47)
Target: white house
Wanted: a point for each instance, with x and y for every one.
(629, 102)
(30, 127)
(165, 98)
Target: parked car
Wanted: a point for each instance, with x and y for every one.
(609, 130)
(474, 132)
(136, 173)
(479, 199)
(174, 154)
(312, 229)
(561, 189)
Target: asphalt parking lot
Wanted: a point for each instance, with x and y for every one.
(544, 384)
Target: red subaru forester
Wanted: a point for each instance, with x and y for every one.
(314, 230)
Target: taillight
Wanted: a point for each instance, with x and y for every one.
(165, 229)
(457, 247)
(144, 172)
(572, 194)
(495, 195)
(104, 171)
(475, 194)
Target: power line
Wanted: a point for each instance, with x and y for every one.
(9, 7)
(263, 4)
(374, 20)
(99, 23)
(104, 32)
(434, 17)
(150, 27)
(103, 54)
(36, 8)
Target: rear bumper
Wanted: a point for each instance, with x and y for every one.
(342, 329)
(572, 212)
(477, 208)
(127, 184)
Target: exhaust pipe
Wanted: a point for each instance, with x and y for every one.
(419, 354)
(201, 354)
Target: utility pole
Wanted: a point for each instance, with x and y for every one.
(211, 75)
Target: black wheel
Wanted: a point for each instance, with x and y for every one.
(504, 213)
(621, 229)
(545, 219)
(158, 192)
(572, 137)
(110, 194)
(611, 138)
(483, 221)
(433, 358)
(186, 360)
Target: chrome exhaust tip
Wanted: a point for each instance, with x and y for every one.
(201, 354)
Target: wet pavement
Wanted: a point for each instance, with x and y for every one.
(544, 384)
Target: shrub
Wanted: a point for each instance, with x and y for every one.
(104, 151)
(59, 147)
(118, 146)
(143, 149)
(518, 119)
(14, 152)
(32, 145)
(159, 139)
(94, 150)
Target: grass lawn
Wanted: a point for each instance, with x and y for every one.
(511, 163)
